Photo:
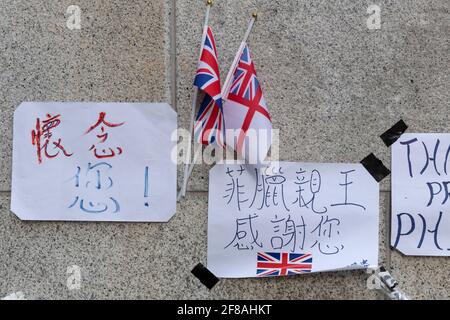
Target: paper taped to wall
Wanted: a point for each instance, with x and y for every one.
(291, 218)
(93, 162)
(420, 194)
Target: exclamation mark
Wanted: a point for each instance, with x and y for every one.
(146, 186)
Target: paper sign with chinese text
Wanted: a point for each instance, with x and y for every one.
(291, 218)
(421, 194)
(93, 162)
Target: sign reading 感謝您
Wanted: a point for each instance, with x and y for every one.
(291, 218)
(93, 161)
(421, 194)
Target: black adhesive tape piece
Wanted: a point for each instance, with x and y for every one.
(392, 135)
(205, 276)
(375, 167)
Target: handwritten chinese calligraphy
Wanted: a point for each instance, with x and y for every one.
(326, 229)
(41, 138)
(102, 135)
(272, 196)
(245, 237)
(301, 209)
(94, 161)
(233, 191)
(346, 185)
(420, 194)
(95, 172)
(96, 179)
(314, 184)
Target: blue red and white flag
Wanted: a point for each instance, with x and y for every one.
(209, 125)
(282, 263)
(246, 112)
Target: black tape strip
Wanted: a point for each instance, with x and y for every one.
(375, 167)
(392, 135)
(205, 276)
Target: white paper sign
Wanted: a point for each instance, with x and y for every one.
(93, 162)
(291, 218)
(420, 194)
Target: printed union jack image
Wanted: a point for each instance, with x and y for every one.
(270, 264)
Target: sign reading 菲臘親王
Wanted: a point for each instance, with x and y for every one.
(291, 218)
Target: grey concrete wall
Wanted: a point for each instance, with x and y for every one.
(333, 86)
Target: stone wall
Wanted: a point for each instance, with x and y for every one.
(332, 84)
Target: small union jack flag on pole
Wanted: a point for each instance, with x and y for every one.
(209, 125)
(245, 109)
(282, 263)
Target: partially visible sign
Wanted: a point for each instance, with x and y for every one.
(421, 194)
(93, 162)
(291, 218)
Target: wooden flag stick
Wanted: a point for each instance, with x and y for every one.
(186, 175)
(225, 89)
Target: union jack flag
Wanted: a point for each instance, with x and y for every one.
(282, 263)
(209, 124)
(245, 107)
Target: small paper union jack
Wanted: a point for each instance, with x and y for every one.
(282, 263)
(209, 125)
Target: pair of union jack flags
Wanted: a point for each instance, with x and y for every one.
(241, 109)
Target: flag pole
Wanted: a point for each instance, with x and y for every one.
(228, 80)
(225, 89)
(227, 83)
(186, 174)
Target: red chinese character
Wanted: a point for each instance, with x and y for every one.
(101, 153)
(41, 138)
